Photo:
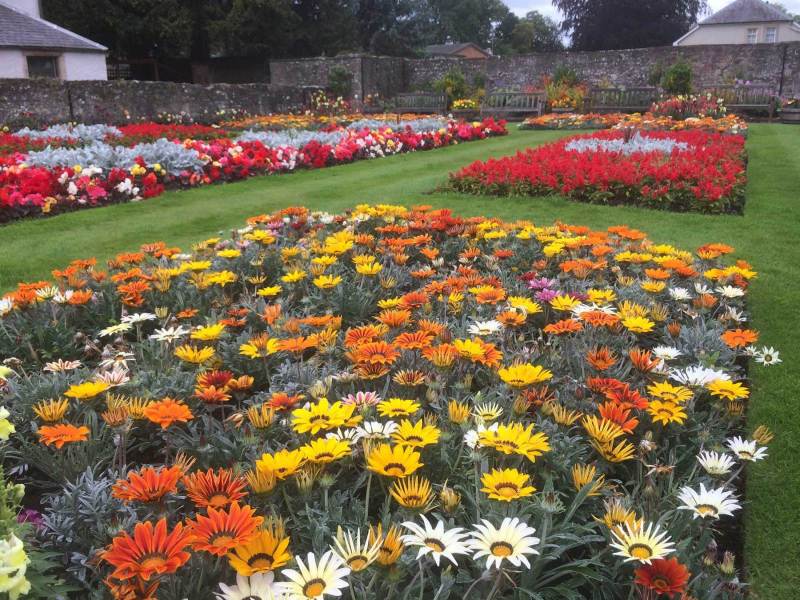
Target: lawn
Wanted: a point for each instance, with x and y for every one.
(766, 236)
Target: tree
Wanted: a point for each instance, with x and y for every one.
(613, 24)
(536, 33)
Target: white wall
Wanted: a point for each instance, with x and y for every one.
(736, 33)
(12, 64)
(83, 65)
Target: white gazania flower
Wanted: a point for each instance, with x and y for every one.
(169, 334)
(511, 541)
(259, 586)
(317, 578)
(698, 375)
(138, 318)
(115, 329)
(61, 366)
(117, 376)
(120, 359)
(702, 288)
(6, 306)
(666, 352)
(747, 450)
(582, 308)
(767, 356)
(361, 399)
(471, 438)
(715, 463)
(375, 430)
(484, 328)
(46, 293)
(357, 555)
(735, 315)
(641, 543)
(708, 503)
(344, 435)
(729, 291)
(680, 294)
(63, 297)
(487, 412)
(436, 541)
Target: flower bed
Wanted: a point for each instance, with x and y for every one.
(732, 124)
(66, 168)
(413, 400)
(697, 171)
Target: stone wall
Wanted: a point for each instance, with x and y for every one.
(47, 101)
(315, 70)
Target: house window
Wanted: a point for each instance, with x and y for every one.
(772, 35)
(43, 66)
(752, 35)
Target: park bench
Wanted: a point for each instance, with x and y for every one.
(742, 98)
(508, 104)
(625, 100)
(420, 102)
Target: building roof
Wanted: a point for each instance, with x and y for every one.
(451, 49)
(19, 30)
(747, 11)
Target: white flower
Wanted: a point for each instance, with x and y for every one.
(746, 450)
(169, 334)
(138, 318)
(734, 314)
(435, 540)
(715, 463)
(60, 366)
(115, 329)
(471, 438)
(582, 308)
(708, 503)
(260, 586)
(642, 542)
(318, 578)
(667, 352)
(117, 376)
(767, 356)
(697, 375)
(120, 359)
(46, 293)
(6, 306)
(511, 541)
(680, 294)
(375, 430)
(730, 291)
(484, 328)
(702, 288)
(344, 435)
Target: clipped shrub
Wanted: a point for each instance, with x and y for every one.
(677, 79)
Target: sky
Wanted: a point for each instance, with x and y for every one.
(520, 7)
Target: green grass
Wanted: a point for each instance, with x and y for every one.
(767, 235)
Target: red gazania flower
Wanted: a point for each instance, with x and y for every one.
(222, 531)
(664, 576)
(214, 490)
(148, 485)
(153, 550)
(283, 401)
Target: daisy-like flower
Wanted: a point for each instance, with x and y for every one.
(375, 430)
(484, 328)
(665, 576)
(506, 485)
(412, 492)
(697, 375)
(488, 411)
(512, 541)
(746, 450)
(152, 550)
(357, 555)
(393, 461)
(641, 542)
(259, 586)
(316, 578)
(680, 294)
(711, 503)
(113, 330)
(715, 463)
(767, 356)
(729, 291)
(666, 352)
(267, 551)
(62, 366)
(361, 399)
(169, 334)
(435, 540)
(416, 435)
(224, 530)
(138, 318)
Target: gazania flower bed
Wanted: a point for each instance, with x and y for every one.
(730, 123)
(394, 403)
(66, 168)
(681, 171)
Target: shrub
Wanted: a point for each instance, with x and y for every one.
(563, 75)
(453, 84)
(678, 78)
(340, 81)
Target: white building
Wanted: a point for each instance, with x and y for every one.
(743, 22)
(33, 47)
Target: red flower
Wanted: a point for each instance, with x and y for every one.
(664, 576)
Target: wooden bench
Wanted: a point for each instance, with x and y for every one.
(626, 100)
(509, 104)
(740, 98)
(420, 102)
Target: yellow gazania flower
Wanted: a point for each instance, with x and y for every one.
(363, 259)
(488, 411)
(222, 278)
(326, 282)
(416, 435)
(583, 475)
(666, 412)
(728, 390)
(471, 349)
(391, 544)
(617, 515)
(632, 309)
(194, 355)
(209, 333)
(51, 411)
(321, 416)
(393, 461)
(638, 324)
(390, 303)
(262, 237)
(283, 463)
(523, 375)
(269, 291)
(261, 481)
(397, 407)
(259, 347)
(564, 302)
(325, 260)
(529, 306)
(603, 431)
(623, 451)
(601, 297)
(458, 412)
(564, 416)
(412, 492)
(87, 390)
(369, 269)
(195, 266)
(355, 554)
(260, 416)
(229, 253)
(294, 276)
(506, 485)
(672, 393)
(325, 450)
(654, 287)
(514, 438)
(265, 552)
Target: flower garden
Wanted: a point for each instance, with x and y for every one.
(69, 167)
(500, 407)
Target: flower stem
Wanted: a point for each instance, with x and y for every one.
(366, 499)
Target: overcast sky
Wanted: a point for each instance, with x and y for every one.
(546, 8)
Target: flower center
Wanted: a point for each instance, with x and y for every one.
(358, 562)
(314, 588)
(640, 551)
(707, 510)
(660, 584)
(219, 499)
(434, 544)
(395, 469)
(261, 561)
(222, 539)
(501, 549)
(153, 561)
(507, 489)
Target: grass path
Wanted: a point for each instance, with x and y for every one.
(768, 235)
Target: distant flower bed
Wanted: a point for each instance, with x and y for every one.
(65, 168)
(728, 124)
(682, 170)
(381, 405)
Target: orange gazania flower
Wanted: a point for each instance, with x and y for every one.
(298, 345)
(394, 317)
(165, 412)
(663, 576)
(214, 489)
(370, 371)
(598, 318)
(214, 378)
(413, 300)
(80, 297)
(511, 318)
(283, 401)
(643, 360)
(61, 434)
(222, 531)
(626, 397)
(212, 395)
(619, 415)
(601, 358)
(187, 313)
(376, 353)
(490, 295)
(563, 327)
(361, 335)
(153, 550)
(148, 485)
(413, 341)
(739, 338)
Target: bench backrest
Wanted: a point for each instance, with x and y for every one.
(741, 95)
(421, 102)
(514, 102)
(621, 99)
